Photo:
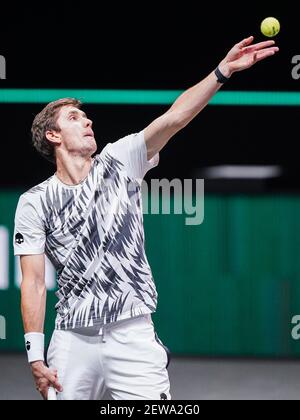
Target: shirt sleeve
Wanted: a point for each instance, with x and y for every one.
(29, 232)
(131, 151)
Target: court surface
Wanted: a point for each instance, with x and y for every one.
(191, 379)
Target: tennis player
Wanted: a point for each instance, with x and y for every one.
(87, 218)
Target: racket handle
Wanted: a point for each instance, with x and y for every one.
(51, 394)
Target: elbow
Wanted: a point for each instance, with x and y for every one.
(36, 286)
(180, 119)
(181, 123)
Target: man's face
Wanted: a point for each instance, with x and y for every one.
(76, 135)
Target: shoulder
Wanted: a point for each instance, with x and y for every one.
(37, 191)
(30, 200)
(125, 148)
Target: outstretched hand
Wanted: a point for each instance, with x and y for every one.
(244, 55)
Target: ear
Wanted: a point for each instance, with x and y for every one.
(53, 136)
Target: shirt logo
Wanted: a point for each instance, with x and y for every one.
(19, 239)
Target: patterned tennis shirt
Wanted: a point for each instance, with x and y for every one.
(93, 234)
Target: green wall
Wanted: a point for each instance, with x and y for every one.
(227, 287)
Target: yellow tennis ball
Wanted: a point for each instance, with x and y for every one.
(270, 27)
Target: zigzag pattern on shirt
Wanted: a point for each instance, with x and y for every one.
(95, 240)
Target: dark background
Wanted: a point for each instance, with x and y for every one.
(151, 46)
(242, 263)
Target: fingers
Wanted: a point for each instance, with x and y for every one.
(245, 42)
(57, 386)
(51, 376)
(259, 46)
(42, 387)
(48, 377)
(269, 52)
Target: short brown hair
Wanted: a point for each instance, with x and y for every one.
(47, 120)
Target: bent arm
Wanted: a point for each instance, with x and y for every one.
(33, 292)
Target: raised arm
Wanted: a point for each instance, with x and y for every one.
(241, 57)
(33, 306)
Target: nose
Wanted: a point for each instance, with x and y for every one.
(88, 122)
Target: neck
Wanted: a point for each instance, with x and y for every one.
(73, 170)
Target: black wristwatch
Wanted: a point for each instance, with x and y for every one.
(220, 76)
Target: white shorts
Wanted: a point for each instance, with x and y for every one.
(127, 360)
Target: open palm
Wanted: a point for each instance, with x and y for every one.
(244, 55)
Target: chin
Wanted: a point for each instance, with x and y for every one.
(93, 149)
